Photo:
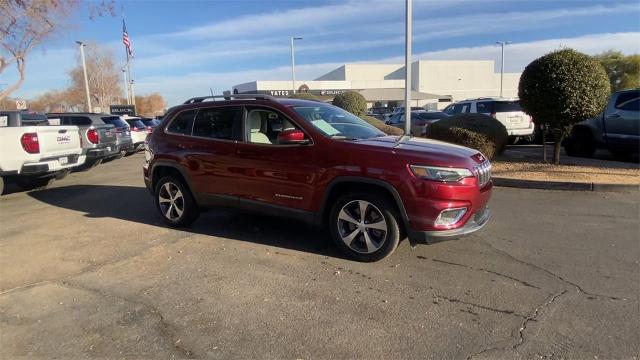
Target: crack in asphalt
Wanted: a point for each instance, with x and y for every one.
(165, 328)
(487, 271)
(578, 287)
(523, 327)
(501, 311)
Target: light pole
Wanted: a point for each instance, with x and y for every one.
(407, 68)
(126, 87)
(293, 63)
(502, 45)
(84, 69)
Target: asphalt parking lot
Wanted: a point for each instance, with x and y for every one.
(87, 269)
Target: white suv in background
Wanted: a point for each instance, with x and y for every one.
(506, 110)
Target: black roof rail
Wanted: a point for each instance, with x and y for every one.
(230, 97)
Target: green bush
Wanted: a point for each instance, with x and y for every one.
(380, 125)
(477, 131)
(562, 88)
(304, 96)
(351, 101)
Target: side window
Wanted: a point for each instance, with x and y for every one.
(457, 108)
(181, 124)
(216, 123)
(401, 118)
(465, 108)
(449, 110)
(628, 101)
(631, 105)
(263, 126)
(484, 107)
(623, 99)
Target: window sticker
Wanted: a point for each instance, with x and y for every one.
(325, 127)
(54, 122)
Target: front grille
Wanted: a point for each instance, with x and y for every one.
(483, 171)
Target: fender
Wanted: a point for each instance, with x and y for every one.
(365, 180)
(170, 164)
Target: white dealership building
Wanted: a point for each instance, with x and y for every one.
(435, 83)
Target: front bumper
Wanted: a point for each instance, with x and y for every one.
(475, 223)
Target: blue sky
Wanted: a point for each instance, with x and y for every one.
(182, 48)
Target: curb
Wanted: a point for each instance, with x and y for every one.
(558, 185)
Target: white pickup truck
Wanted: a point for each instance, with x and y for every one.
(33, 153)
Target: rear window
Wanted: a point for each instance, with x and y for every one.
(76, 120)
(488, 107)
(34, 119)
(136, 123)
(151, 122)
(115, 121)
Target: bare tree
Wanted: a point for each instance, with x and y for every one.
(103, 77)
(26, 24)
(150, 105)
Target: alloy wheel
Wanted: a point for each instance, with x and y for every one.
(362, 226)
(171, 201)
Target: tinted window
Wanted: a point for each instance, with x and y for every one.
(76, 120)
(430, 115)
(33, 119)
(215, 123)
(484, 107)
(506, 106)
(181, 124)
(137, 124)
(631, 105)
(151, 122)
(449, 110)
(115, 121)
(461, 108)
(624, 100)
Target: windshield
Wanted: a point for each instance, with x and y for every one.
(335, 122)
(151, 122)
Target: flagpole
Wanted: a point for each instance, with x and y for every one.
(130, 97)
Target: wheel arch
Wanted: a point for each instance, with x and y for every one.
(344, 184)
(166, 168)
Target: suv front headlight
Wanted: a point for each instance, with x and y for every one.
(440, 173)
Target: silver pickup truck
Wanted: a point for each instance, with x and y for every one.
(617, 128)
(97, 137)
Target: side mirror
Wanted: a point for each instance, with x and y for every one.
(291, 137)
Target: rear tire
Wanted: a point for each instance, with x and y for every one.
(369, 237)
(1, 185)
(175, 202)
(581, 143)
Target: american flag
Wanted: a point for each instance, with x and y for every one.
(125, 40)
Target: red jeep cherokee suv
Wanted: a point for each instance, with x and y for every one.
(314, 162)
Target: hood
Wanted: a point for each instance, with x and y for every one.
(433, 152)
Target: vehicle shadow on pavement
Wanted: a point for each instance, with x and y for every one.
(136, 204)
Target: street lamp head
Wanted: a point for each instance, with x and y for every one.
(80, 43)
(296, 38)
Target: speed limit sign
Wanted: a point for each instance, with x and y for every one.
(21, 104)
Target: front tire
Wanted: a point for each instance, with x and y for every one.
(365, 226)
(175, 202)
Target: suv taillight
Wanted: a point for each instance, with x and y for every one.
(135, 129)
(493, 115)
(93, 136)
(30, 143)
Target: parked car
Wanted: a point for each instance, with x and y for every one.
(379, 113)
(98, 138)
(507, 111)
(151, 124)
(138, 130)
(617, 128)
(420, 120)
(317, 163)
(33, 153)
(400, 109)
(123, 135)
